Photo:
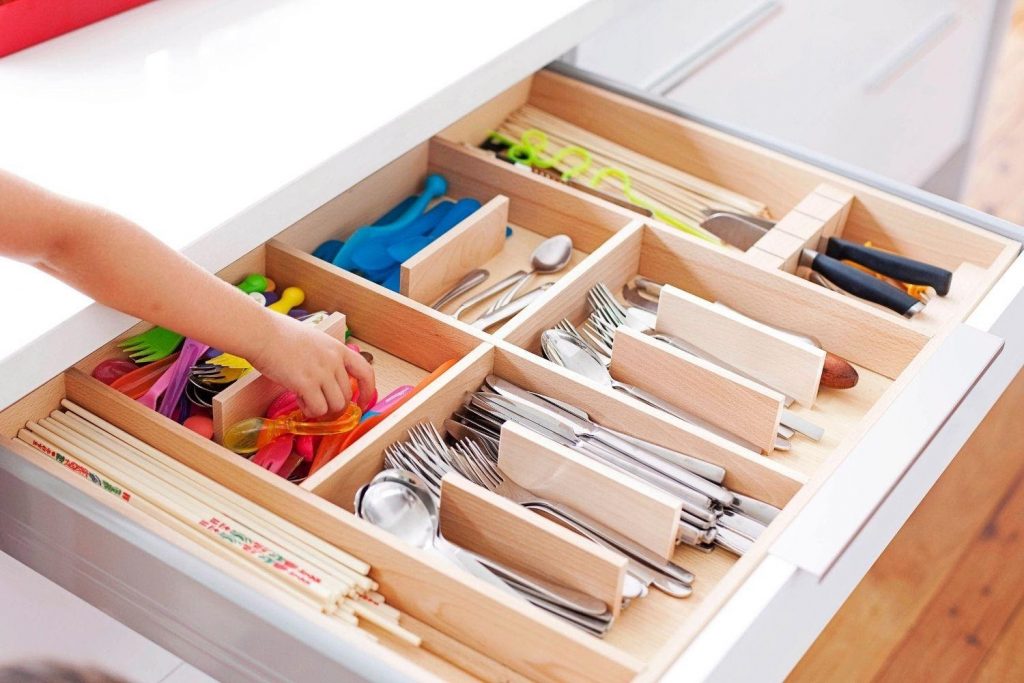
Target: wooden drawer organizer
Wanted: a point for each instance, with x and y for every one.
(469, 629)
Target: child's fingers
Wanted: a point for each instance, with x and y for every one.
(336, 399)
(341, 377)
(357, 367)
(312, 402)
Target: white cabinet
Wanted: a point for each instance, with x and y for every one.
(893, 87)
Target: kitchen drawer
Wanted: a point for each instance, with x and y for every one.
(925, 383)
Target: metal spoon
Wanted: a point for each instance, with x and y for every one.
(550, 256)
(468, 282)
(415, 519)
(397, 502)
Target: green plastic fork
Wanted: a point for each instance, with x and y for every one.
(151, 345)
(159, 342)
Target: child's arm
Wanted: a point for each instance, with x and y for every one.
(119, 264)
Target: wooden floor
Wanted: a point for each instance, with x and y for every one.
(945, 601)
(996, 180)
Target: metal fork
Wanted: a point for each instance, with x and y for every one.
(430, 458)
(507, 488)
(603, 354)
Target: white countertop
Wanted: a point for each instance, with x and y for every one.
(216, 123)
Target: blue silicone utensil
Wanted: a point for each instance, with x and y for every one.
(394, 281)
(372, 255)
(329, 249)
(435, 186)
(406, 249)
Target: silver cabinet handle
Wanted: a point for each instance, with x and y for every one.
(915, 48)
(674, 74)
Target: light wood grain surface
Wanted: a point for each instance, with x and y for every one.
(719, 397)
(470, 244)
(476, 519)
(633, 508)
(756, 349)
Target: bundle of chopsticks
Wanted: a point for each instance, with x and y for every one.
(673, 190)
(279, 558)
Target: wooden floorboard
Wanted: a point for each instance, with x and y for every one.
(965, 618)
(1004, 660)
(927, 554)
(996, 177)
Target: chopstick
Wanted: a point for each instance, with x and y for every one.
(285, 561)
(676, 190)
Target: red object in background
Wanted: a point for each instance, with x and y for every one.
(24, 23)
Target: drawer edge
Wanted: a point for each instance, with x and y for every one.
(42, 516)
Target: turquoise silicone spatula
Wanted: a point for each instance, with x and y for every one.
(411, 246)
(372, 256)
(435, 186)
(329, 249)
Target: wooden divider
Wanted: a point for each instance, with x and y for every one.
(390, 321)
(251, 395)
(747, 472)
(434, 269)
(541, 204)
(717, 396)
(753, 348)
(849, 328)
(476, 519)
(629, 506)
(818, 216)
(613, 261)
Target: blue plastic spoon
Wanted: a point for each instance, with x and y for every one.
(372, 255)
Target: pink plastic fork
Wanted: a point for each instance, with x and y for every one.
(273, 456)
(150, 398)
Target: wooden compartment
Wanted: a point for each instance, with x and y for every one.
(535, 211)
(879, 345)
(407, 342)
(647, 625)
(465, 624)
(470, 630)
(784, 185)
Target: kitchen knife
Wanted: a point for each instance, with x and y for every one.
(895, 266)
(734, 230)
(579, 421)
(860, 284)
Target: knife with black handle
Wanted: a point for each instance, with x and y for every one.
(895, 266)
(860, 284)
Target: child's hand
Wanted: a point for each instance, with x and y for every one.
(314, 365)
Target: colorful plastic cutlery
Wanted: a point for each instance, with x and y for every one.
(249, 435)
(374, 235)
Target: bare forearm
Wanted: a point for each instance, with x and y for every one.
(124, 267)
(121, 265)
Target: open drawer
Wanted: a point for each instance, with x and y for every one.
(924, 384)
